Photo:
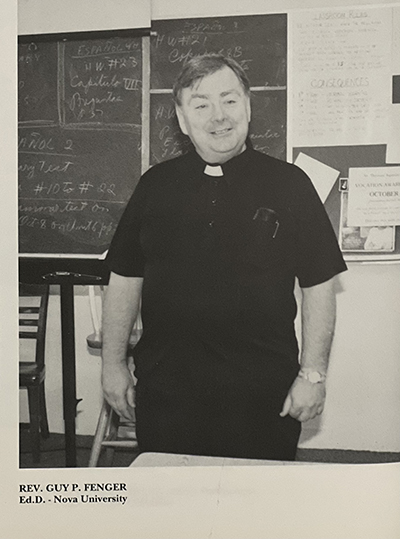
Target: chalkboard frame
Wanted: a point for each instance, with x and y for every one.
(81, 36)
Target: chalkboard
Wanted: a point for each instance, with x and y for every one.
(73, 186)
(37, 83)
(257, 42)
(268, 122)
(79, 142)
(267, 127)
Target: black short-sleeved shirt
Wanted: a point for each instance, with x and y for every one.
(219, 257)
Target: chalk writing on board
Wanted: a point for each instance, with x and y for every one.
(166, 139)
(268, 124)
(257, 43)
(198, 36)
(102, 82)
(79, 142)
(37, 86)
(73, 186)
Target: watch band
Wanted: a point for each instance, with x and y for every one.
(314, 377)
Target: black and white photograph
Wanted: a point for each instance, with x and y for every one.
(202, 270)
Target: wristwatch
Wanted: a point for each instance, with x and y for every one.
(314, 377)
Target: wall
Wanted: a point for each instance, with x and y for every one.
(363, 405)
(363, 390)
(47, 17)
(208, 8)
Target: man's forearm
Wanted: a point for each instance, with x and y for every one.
(121, 307)
(306, 396)
(318, 325)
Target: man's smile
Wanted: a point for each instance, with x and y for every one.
(221, 132)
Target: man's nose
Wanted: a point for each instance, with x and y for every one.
(218, 112)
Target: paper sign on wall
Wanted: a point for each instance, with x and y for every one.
(374, 196)
(322, 176)
(340, 75)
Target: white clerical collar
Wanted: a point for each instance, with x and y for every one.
(213, 170)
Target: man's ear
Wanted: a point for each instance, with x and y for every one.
(248, 108)
(181, 119)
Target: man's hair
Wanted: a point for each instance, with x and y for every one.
(197, 68)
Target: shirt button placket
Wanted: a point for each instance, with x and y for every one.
(213, 199)
(214, 187)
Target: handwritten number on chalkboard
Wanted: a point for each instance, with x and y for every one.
(68, 144)
(103, 188)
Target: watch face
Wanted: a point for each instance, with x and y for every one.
(314, 377)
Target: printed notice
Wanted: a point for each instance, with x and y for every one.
(374, 196)
(340, 72)
(367, 239)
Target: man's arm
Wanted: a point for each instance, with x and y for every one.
(121, 307)
(305, 400)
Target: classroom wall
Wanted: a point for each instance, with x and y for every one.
(363, 404)
(47, 17)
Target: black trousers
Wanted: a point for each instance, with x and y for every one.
(173, 416)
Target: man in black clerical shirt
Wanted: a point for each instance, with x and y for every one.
(210, 245)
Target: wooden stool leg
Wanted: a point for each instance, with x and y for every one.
(99, 435)
(34, 422)
(112, 434)
(44, 424)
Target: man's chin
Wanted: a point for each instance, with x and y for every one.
(223, 153)
(218, 157)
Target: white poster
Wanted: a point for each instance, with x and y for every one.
(340, 76)
(322, 176)
(374, 196)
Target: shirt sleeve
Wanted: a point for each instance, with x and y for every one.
(318, 254)
(125, 256)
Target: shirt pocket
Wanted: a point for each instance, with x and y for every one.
(268, 239)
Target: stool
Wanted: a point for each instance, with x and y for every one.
(109, 425)
(107, 435)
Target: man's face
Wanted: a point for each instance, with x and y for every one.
(215, 114)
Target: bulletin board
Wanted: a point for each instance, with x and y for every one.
(345, 121)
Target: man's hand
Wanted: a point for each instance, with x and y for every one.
(118, 388)
(120, 309)
(304, 400)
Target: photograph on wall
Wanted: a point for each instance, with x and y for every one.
(364, 238)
